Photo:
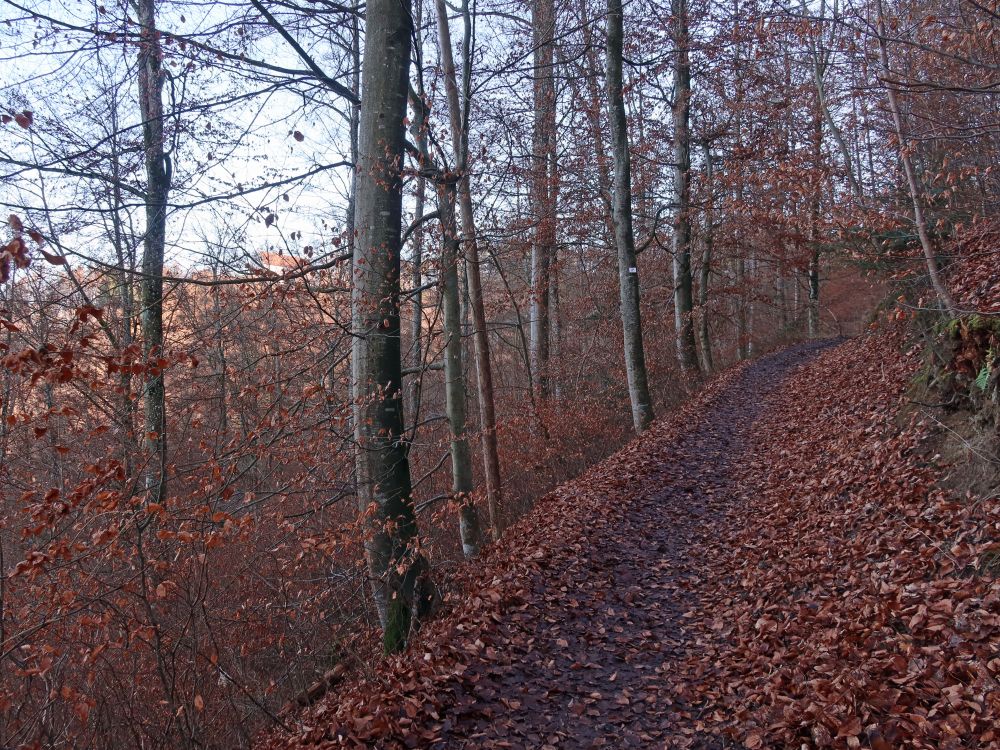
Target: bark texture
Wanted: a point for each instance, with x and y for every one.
(454, 374)
(628, 272)
(398, 570)
(687, 354)
(458, 115)
(158, 174)
(704, 335)
(543, 187)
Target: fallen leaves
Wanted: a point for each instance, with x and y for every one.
(853, 615)
(805, 584)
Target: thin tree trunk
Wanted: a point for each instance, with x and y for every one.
(683, 298)
(419, 131)
(813, 275)
(158, 173)
(812, 311)
(628, 272)
(454, 375)
(926, 244)
(555, 321)
(820, 62)
(354, 124)
(742, 329)
(398, 570)
(707, 363)
(593, 111)
(459, 118)
(543, 148)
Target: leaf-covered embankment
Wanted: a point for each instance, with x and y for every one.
(570, 631)
(857, 602)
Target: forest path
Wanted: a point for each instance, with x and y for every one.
(588, 662)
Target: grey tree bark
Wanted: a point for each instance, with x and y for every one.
(158, 174)
(398, 570)
(454, 374)
(687, 354)
(628, 273)
(704, 336)
(926, 244)
(813, 269)
(458, 115)
(542, 188)
(419, 131)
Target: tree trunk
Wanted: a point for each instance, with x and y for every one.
(628, 273)
(543, 157)
(707, 363)
(926, 244)
(683, 298)
(812, 273)
(158, 173)
(812, 311)
(742, 329)
(458, 117)
(820, 63)
(593, 114)
(398, 571)
(454, 375)
(419, 132)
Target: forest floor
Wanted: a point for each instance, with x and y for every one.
(771, 566)
(589, 662)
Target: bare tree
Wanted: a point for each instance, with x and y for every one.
(687, 353)
(158, 169)
(543, 145)
(628, 272)
(912, 184)
(398, 569)
(459, 113)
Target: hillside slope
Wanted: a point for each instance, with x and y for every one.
(774, 565)
(856, 602)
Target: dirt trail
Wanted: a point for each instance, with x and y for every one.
(588, 663)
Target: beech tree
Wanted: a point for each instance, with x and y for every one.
(236, 436)
(158, 175)
(681, 248)
(628, 272)
(459, 113)
(544, 186)
(398, 568)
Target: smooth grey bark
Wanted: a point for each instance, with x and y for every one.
(628, 272)
(926, 244)
(820, 63)
(453, 324)
(158, 174)
(417, 300)
(454, 375)
(704, 336)
(354, 123)
(419, 132)
(458, 115)
(812, 276)
(813, 269)
(687, 354)
(398, 570)
(542, 186)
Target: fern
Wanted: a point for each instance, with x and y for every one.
(983, 378)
